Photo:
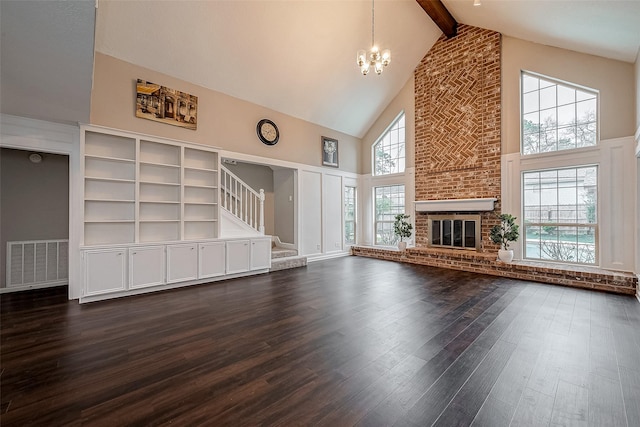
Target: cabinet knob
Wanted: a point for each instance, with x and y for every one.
(135, 253)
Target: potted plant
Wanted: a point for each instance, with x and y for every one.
(505, 232)
(402, 228)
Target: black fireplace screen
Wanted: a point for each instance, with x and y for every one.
(457, 232)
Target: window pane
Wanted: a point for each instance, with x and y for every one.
(530, 102)
(531, 122)
(556, 116)
(388, 151)
(529, 83)
(566, 95)
(350, 215)
(567, 138)
(389, 202)
(553, 201)
(566, 115)
(548, 97)
(582, 95)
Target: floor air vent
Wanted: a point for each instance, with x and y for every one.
(37, 262)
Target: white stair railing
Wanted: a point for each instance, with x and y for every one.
(241, 200)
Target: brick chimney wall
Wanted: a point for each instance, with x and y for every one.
(458, 121)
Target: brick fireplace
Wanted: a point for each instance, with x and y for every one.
(457, 146)
(457, 156)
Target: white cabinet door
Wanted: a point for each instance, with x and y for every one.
(182, 262)
(146, 266)
(104, 271)
(260, 253)
(238, 256)
(211, 259)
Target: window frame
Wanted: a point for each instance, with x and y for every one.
(355, 215)
(382, 136)
(558, 224)
(556, 82)
(375, 211)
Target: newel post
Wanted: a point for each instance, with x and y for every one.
(261, 223)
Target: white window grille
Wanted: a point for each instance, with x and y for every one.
(556, 116)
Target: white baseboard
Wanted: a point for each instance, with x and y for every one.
(330, 255)
(30, 287)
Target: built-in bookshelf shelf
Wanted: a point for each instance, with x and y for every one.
(145, 189)
(107, 221)
(97, 178)
(109, 159)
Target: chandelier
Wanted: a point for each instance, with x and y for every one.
(374, 58)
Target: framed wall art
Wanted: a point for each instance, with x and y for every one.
(161, 104)
(329, 152)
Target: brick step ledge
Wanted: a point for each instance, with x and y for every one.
(487, 263)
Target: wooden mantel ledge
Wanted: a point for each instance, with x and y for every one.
(455, 205)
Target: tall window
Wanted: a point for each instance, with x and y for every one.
(350, 215)
(556, 116)
(560, 215)
(388, 151)
(389, 202)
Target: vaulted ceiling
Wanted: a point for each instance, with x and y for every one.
(293, 56)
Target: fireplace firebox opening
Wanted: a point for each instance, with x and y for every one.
(454, 231)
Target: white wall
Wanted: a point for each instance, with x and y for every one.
(318, 224)
(616, 194)
(332, 195)
(310, 196)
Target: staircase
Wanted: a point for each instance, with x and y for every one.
(242, 214)
(283, 256)
(243, 205)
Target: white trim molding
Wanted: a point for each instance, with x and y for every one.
(36, 135)
(616, 194)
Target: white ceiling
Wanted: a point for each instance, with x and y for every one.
(46, 59)
(296, 57)
(293, 56)
(608, 28)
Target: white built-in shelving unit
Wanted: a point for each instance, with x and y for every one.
(151, 217)
(109, 189)
(141, 190)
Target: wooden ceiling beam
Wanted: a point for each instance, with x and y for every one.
(438, 12)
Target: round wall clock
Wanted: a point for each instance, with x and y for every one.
(268, 132)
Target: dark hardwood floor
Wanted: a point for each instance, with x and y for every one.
(349, 341)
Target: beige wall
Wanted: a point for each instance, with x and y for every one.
(34, 199)
(223, 121)
(403, 101)
(614, 80)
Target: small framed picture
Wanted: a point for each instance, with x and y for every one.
(329, 152)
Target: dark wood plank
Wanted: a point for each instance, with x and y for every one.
(351, 341)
